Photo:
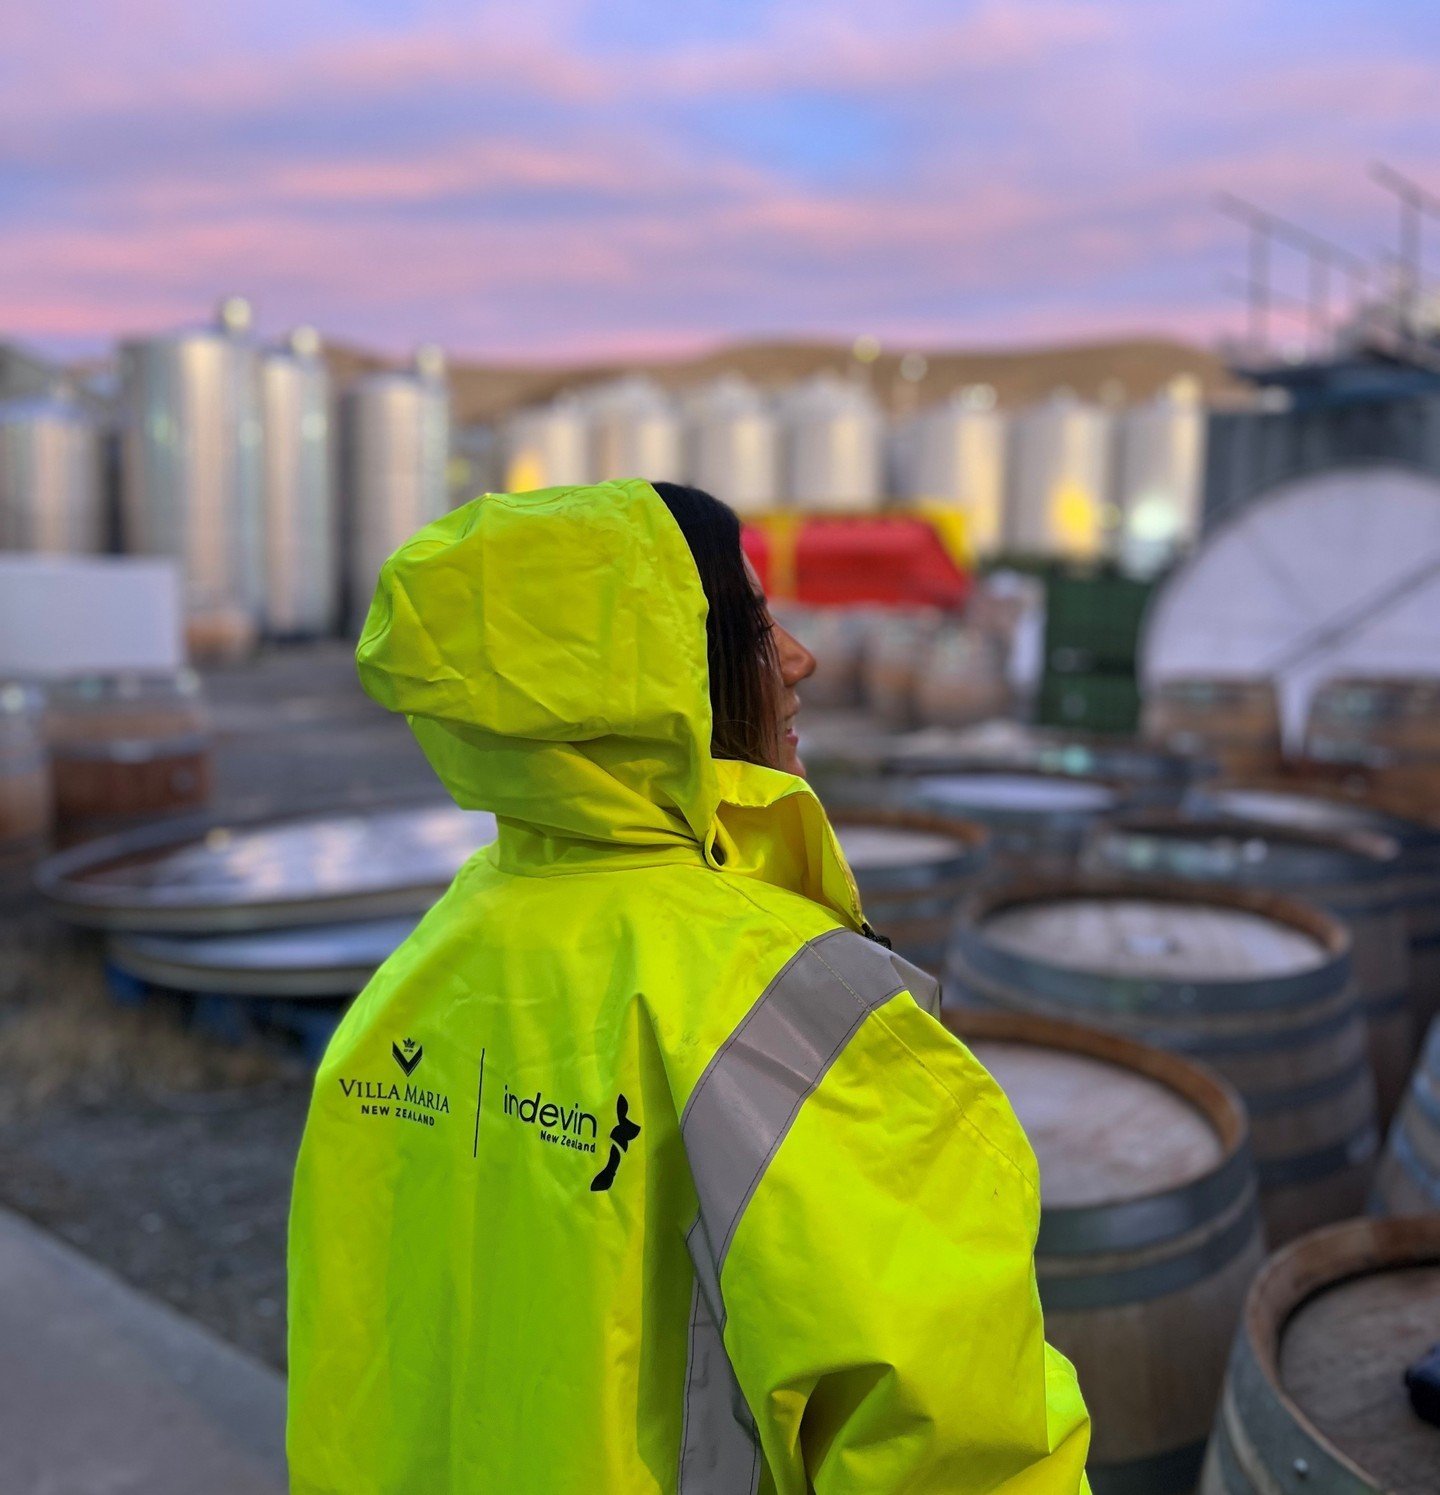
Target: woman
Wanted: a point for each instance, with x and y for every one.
(639, 1167)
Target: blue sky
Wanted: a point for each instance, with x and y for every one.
(568, 179)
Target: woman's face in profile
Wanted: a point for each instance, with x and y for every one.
(796, 663)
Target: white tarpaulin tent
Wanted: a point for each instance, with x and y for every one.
(1335, 574)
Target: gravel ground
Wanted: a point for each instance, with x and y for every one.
(188, 1204)
(163, 1155)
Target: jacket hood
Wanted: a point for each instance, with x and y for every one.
(549, 651)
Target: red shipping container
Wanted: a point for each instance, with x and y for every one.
(897, 561)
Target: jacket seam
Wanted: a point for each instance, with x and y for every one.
(990, 1143)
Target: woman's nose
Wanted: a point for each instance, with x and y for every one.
(797, 663)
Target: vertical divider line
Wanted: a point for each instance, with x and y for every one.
(479, 1096)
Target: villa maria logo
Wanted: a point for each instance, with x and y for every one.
(391, 1101)
(565, 1126)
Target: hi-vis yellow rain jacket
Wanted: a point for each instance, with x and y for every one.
(639, 1167)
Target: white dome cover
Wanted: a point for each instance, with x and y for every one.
(1333, 574)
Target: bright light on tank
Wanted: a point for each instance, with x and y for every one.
(914, 367)
(1154, 518)
(978, 397)
(866, 349)
(1075, 514)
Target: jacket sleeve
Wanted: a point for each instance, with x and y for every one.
(877, 1288)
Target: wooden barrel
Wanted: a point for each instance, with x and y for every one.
(1033, 818)
(1233, 719)
(836, 637)
(895, 647)
(1407, 1181)
(25, 798)
(1315, 1402)
(1376, 720)
(1145, 775)
(1390, 727)
(1353, 874)
(961, 679)
(1335, 805)
(126, 746)
(913, 871)
(1255, 984)
(1149, 1233)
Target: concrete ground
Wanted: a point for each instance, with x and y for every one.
(108, 1392)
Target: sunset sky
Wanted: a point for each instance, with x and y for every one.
(562, 178)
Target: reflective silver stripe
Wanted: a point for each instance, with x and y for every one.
(735, 1120)
(751, 1091)
(719, 1447)
(920, 983)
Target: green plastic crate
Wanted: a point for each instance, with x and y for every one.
(1090, 703)
(1092, 622)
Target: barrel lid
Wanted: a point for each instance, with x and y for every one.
(1262, 853)
(311, 961)
(1145, 1138)
(1331, 1323)
(212, 876)
(878, 847)
(1214, 690)
(1139, 936)
(1171, 1183)
(1306, 809)
(126, 687)
(892, 850)
(1016, 793)
(1342, 1356)
(935, 751)
(1154, 946)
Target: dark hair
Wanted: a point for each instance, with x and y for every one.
(744, 670)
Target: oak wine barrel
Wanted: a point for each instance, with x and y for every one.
(1407, 1180)
(1340, 805)
(1255, 984)
(1233, 719)
(25, 798)
(1149, 1233)
(1145, 774)
(124, 747)
(1390, 726)
(1315, 1401)
(912, 870)
(1034, 818)
(1353, 874)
